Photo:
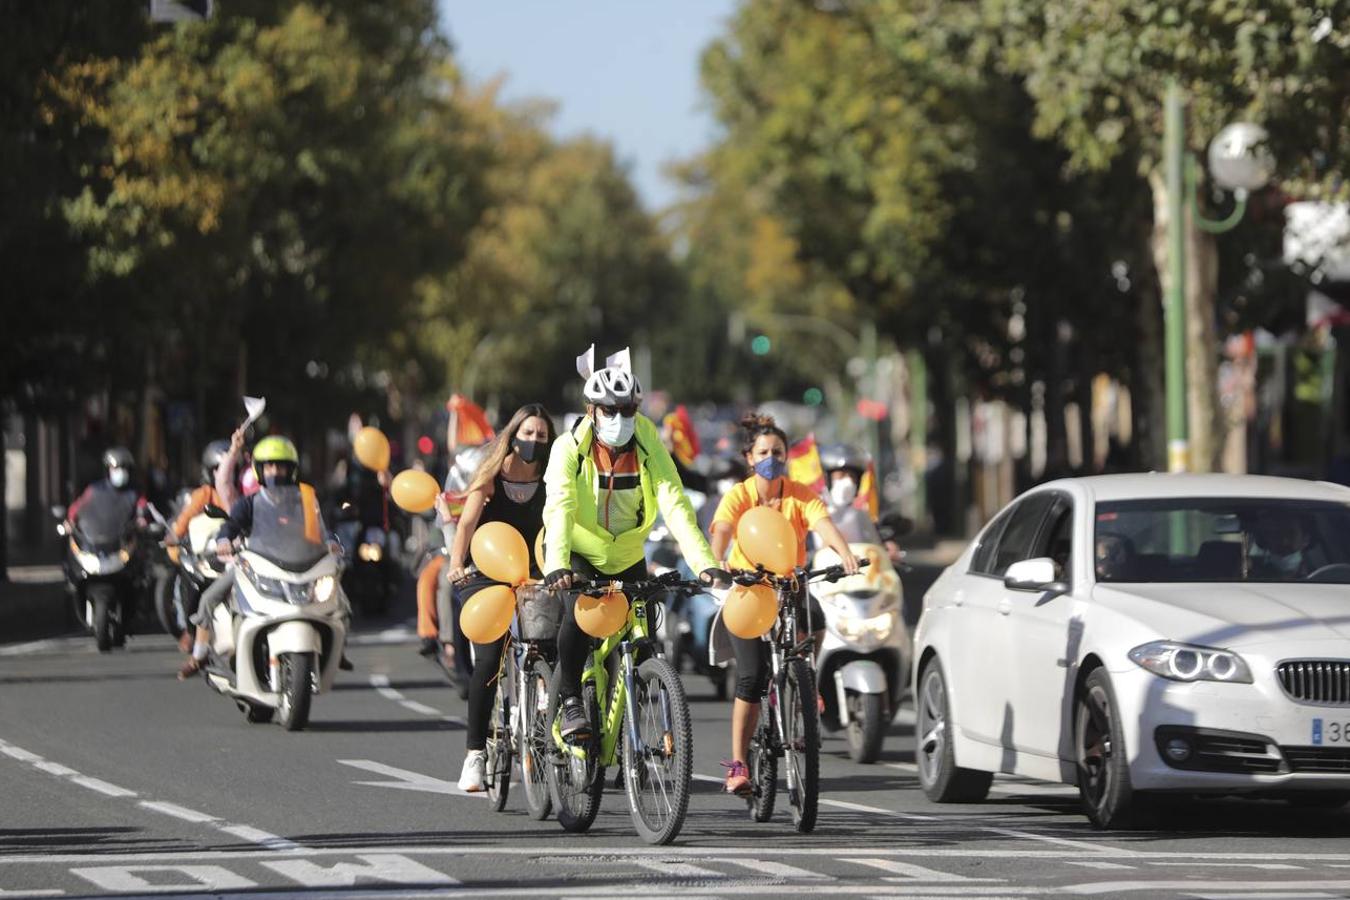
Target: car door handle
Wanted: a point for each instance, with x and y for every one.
(1005, 607)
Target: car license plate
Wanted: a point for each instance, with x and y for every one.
(1330, 732)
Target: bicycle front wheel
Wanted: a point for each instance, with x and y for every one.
(576, 780)
(498, 758)
(763, 766)
(534, 739)
(657, 772)
(801, 743)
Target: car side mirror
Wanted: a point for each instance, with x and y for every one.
(1034, 575)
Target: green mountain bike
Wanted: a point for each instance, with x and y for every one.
(639, 717)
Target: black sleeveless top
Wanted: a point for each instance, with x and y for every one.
(527, 517)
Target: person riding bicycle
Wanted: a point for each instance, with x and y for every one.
(283, 510)
(204, 495)
(607, 479)
(844, 466)
(506, 488)
(765, 449)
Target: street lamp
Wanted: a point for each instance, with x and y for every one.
(1239, 161)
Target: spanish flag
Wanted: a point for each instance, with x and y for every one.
(683, 437)
(869, 498)
(804, 464)
(468, 423)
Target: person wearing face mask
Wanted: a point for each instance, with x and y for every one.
(507, 487)
(607, 479)
(1285, 538)
(283, 511)
(844, 466)
(105, 508)
(765, 448)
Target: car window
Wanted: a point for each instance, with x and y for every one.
(982, 563)
(1015, 543)
(1056, 540)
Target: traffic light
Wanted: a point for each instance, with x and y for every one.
(761, 345)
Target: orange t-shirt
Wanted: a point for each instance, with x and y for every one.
(802, 507)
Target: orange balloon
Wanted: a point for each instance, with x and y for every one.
(767, 539)
(372, 448)
(750, 610)
(539, 550)
(602, 616)
(500, 553)
(488, 614)
(414, 490)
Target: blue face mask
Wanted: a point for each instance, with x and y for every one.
(615, 431)
(771, 467)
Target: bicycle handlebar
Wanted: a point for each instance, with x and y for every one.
(666, 581)
(760, 576)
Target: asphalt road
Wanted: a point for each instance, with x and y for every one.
(117, 780)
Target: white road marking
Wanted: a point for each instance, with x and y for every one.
(420, 708)
(1231, 865)
(1193, 888)
(260, 837)
(127, 879)
(911, 872)
(29, 892)
(103, 787)
(1100, 864)
(178, 812)
(1268, 895)
(671, 868)
(407, 780)
(52, 768)
(387, 867)
(774, 869)
(19, 753)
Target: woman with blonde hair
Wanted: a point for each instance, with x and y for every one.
(508, 487)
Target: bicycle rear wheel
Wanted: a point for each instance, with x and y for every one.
(576, 781)
(498, 761)
(801, 743)
(534, 739)
(659, 770)
(763, 766)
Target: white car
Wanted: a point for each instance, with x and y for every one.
(1134, 634)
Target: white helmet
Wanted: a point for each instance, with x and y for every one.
(612, 386)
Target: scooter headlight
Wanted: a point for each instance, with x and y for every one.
(88, 561)
(323, 589)
(370, 553)
(877, 628)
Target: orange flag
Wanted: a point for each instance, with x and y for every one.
(869, 498)
(804, 464)
(469, 424)
(684, 438)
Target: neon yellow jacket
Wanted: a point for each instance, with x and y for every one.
(571, 521)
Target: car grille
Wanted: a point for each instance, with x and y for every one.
(1324, 681)
(1318, 759)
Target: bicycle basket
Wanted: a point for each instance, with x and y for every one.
(538, 613)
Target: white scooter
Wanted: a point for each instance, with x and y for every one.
(286, 641)
(863, 668)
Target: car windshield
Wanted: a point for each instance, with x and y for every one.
(1222, 540)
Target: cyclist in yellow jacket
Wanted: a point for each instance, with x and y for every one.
(607, 479)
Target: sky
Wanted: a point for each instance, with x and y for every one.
(626, 70)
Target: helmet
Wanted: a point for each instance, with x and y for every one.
(118, 458)
(275, 449)
(843, 456)
(612, 386)
(211, 457)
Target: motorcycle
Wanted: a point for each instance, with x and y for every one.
(195, 566)
(371, 576)
(105, 574)
(687, 623)
(864, 664)
(285, 641)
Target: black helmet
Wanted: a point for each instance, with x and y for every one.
(211, 459)
(843, 456)
(118, 458)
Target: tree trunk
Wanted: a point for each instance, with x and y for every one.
(1202, 268)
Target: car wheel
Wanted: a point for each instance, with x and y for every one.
(939, 776)
(1103, 765)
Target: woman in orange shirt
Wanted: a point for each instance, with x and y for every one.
(765, 449)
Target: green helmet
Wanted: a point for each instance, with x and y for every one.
(276, 449)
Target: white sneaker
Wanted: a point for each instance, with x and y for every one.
(471, 776)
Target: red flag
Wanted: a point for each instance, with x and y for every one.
(869, 498)
(804, 464)
(683, 437)
(469, 425)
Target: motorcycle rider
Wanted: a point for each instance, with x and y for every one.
(607, 479)
(765, 448)
(506, 488)
(283, 505)
(108, 504)
(844, 466)
(204, 495)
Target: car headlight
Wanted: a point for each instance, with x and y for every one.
(370, 552)
(1189, 662)
(323, 589)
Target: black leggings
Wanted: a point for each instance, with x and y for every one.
(752, 656)
(573, 643)
(487, 664)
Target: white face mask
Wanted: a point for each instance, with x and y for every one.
(1287, 564)
(616, 431)
(843, 492)
(118, 477)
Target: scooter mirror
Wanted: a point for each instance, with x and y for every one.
(58, 513)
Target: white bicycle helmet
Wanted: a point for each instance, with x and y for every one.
(612, 386)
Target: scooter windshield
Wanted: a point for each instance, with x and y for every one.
(105, 517)
(284, 531)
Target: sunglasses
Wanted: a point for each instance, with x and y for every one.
(628, 410)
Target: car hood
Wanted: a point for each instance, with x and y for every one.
(1234, 615)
